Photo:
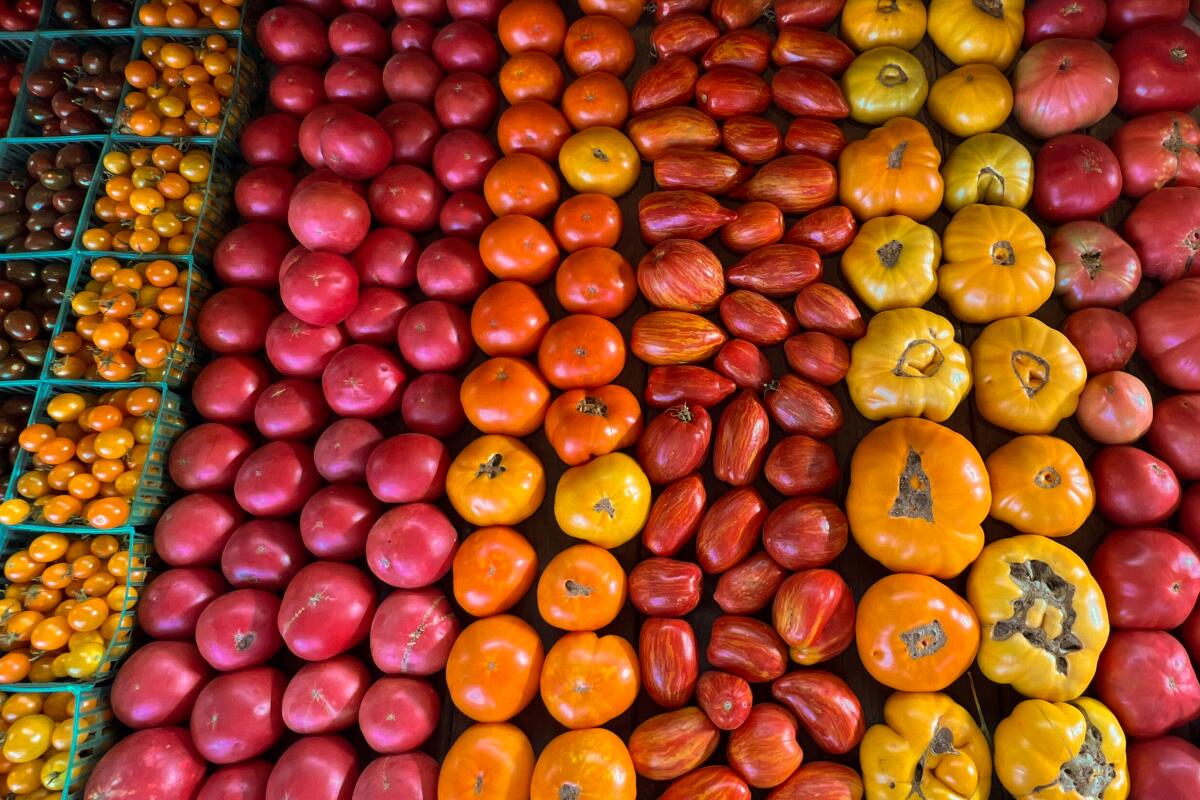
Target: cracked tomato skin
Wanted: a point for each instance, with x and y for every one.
(927, 746)
(1072, 751)
(160, 762)
(326, 609)
(1043, 617)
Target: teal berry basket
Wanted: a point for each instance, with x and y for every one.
(17, 50)
(184, 359)
(249, 10)
(154, 486)
(246, 83)
(63, 268)
(211, 222)
(138, 546)
(13, 156)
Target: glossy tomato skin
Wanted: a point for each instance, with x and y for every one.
(1174, 432)
(389, 732)
(1115, 408)
(235, 320)
(244, 781)
(158, 685)
(1105, 339)
(1061, 85)
(1069, 19)
(413, 631)
(1158, 150)
(160, 761)
(363, 380)
(238, 716)
(335, 521)
(1168, 333)
(1150, 578)
(409, 775)
(326, 610)
(301, 350)
(276, 479)
(1133, 487)
(228, 387)
(237, 630)
(1162, 229)
(1147, 681)
(1075, 177)
(1129, 15)
(263, 554)
(193, 530)
(324, 696)
(1164, 768)
(325, 766)
(208, 457)
(291, 408)
(411, 546)
(1153, 77)
(170, 606)
(675, 443)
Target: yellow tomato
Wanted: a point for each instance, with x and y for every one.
(873, 23)
(989, 168)
(496, 480)
(605, 501)
(28, 738)
(883, 83)
(600, 159)
(972, 99)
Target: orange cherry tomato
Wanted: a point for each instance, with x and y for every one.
(493, 569)
(581, 589)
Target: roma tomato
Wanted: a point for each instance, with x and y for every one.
(669, 745)
(675, 443)
(764, 749)
(746, 647)
(825, 705)
(493, 668)
(805, 532)
(664, 587)
(730, 529)
(674, 516)
(814, 614)
(749, 585)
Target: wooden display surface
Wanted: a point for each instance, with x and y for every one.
(860, 571)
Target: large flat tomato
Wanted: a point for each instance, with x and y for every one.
(581, 351)
(1168, 334)
(588, 680)
(604, 502)
(493, 569)
(591, 764)
(1158, 150)
(493, 669)
(496, 480)
(1094, 265)
(506, 396)
(508, 319)
(489, 761)
(1163, 228)
(1040, 485)
(581, 589)
(1150, 577)
(1062, 85)
(1160, 70)
(583, 423)
(1160, 769)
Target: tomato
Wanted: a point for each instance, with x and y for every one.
(326, 766)
(1062, 85)
(1168, 333)
(177, 673)
(605, 502)
(581, 589)
(597, 98)
(532, 126)
(1115, 408)
(489, 761)
(1163, 229)
(193, 530)
(581, 351)
(335, 521)
(508, 319)
(324, 696)
(1104, 338)
(531, 75)
(521, 183)
(412, 632)
(162, 762)
(238, 715)
(493, 569)
(228, 387)
(412, 775)
(411, 546)
(326, 610)
(170, 606)
(364, 380)
(588, 680)
(588, 220)
(581, 424)
(595, 280)
(1075, 177)
(538, 25)
(237, 782)
(496, 480)
(1164, 768)
(600, 159)
(263, 554)
(276, 479)
(493, 668)
(505, 396)
(591, 763)
(1133, 487)
(517, 247)
(388, 732)
(1069, 19)
(1173, 435)
(596, 43)
(1159, 70)
(1149, 577)
(238, 630)
(208, 457)
(1145, 677)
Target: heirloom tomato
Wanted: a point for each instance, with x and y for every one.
(1071, 19)
(581, 351)
(591, 763)
(988, 168)
(1133, 487)
(1043, 616)
(1028, 376)
(1075, 177)
(1040, 485)
(488, 761)
(1158, 150)
(1173, 435)
(1168, 334)
(1160, 69)
(927, 745)
(493, 569)
(670, 665)
(884, 82)
(675, 443)
(894, 170)
(978, 31)
(675, 516)
(717, 782)
(668, 745)
(597, 98)
(508, 319)
(825, 705)
(995, 264)
(581, 589)
(584, 423)
(813, 612)
(1061, 85)
(1094, 266)
(605, 501)
(892, 263)
(1164, 228)
(1150, 577)
(496, 480)
(493, 669)
(532, 126)
(588, 680)
(505, 396)
(531, 75)
(918, 493)
(763, 749)
(672, 338)
(1147, 679)
(1115, 408)
(521, 183)
(747, 647)
(600, 159)
(908, 364)
(871, 23)
(681, 275)
(595, 280)
(914, 634)
(525, 25)
(588, 220)
(519, 248)
(664, 587)
(1160, 769)
(973, 99)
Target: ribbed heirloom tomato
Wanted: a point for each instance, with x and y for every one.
(493, 669)
(582, 423)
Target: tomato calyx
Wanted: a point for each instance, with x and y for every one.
(895, 158)
(492, 468)
(592, 406)
(1088, 773)
(1003, 253)
(569, 791)
(889, 253)
(1032, 371)
(914, 496)
(1179, 54)
(924, 640)
(1044, 614)
(1047, 478)
(682, 413)
(921, 358)
(891, 75)
(605, 506)
(994, 8)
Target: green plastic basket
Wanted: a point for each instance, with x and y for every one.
(35, 375)
(154, 488)
(218, 196)
(141, 554)
(184, 361)
(13, 154)
(246, 84)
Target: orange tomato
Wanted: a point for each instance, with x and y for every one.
(596, 99)
(505, 395)
(589, 764)
(493, 669)
(584, 423)
(596, 43)
(532, 126)
(588, 680)
(493, 569)
(509, 319)
(600, 159)
(588, 220)
(538, 25)
(489, 761)
(517, 247)
(521, 184)
(531, 75)
(581, 589)
(581, 351)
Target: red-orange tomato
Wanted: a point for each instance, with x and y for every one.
(588, 220)
(597, 98)
(581, 589)
(522, 184)
(532, 25)
(597, 43)
(518, 248)
(506, 396)
(581, 351)
(584, 423)
(626, 12)
(596, 280)
(532, 126)
(531, 75)
(493, 669)
(493, 569)
(509, 319)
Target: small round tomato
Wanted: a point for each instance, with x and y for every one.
(489, 761)
(588, 680)
(605, 501)
(538, 25)
(531, 75)
(581, 589)
(581, 351)
(588, 220)
(496, 480)
(493, 668)
(596, 43)
(505, 395)
(596, 280)
(584, 423)
(600, 159)
(493, 569)
(590, 763)
(914, 634)
(532, 126)
(596, 99)
(517, 247)
(509, 319)
(521, 183)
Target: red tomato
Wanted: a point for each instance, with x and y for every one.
(158, 684)
(1147, 681)
(238, 716)
(326, 610)
(161, 762)
(237, 630)
(1150, 578)
(170, 606)
(263, 554)
(413, 631)
(389, 732)
(314, 766)
(1133, 487)
(193, 530)
(324, 696)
